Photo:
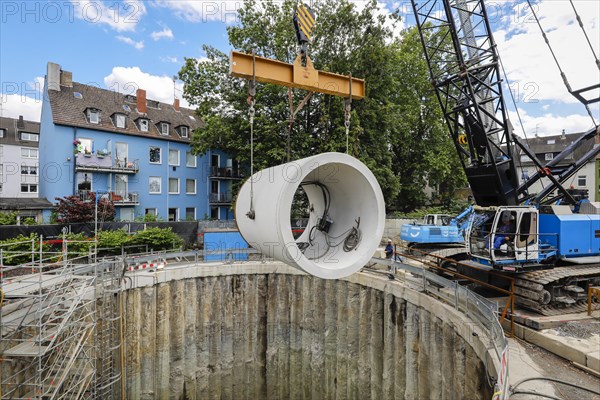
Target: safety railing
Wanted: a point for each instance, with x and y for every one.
(483, 312)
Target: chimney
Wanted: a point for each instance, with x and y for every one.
(66, 78)
(20, 123)
(53, 76)
(141, 101)
(562, 135)
(176, 104)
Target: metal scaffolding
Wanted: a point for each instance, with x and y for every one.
(60, 324)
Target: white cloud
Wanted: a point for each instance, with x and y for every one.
(13, 105)
(138, 45)
(203, 11)
(527, 58)
(120, 16)
(382, 10)
(128, 79)
(226, 11)
(169, 59)
(166, 33)
(549, 124)
(37, 84)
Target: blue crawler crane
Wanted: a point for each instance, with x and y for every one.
(551, 249)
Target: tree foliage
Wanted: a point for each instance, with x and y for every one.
(396, 130)
(8, 218)
(72, 209)
(157, 239)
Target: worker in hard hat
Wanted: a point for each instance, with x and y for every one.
(389, 249)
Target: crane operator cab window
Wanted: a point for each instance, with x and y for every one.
(504, 236)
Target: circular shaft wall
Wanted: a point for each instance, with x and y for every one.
(281, 336)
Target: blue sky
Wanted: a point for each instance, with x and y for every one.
(110, 43)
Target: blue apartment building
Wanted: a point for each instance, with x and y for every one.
(134, 150)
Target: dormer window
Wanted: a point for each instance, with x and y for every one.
(32, 137)
(164, 128)
(183, 131)
(119, 120)
(143, 125)
(93, 116)
(130, 98)
(152, 104)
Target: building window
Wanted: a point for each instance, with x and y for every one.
(581, 181)
(120, 120)
(190, 159)
(32, 137)
(2, 133)
(549, 156)
(173, 157)
(1, 176)
(94, 116)
(173, 185)
(84, 181)
(190, 214)
(155, 155)
(26, 152)
(173, 214)
(29, 188)
(85, 145)
(190, 186)
(29, 170)
(144, 125)
(155, 184)
(551, 141)
(164, 128)
(183, 131)
(151, 211)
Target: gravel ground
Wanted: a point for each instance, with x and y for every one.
(556, 367)
(579, 329)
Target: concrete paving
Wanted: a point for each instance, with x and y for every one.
(522, 366)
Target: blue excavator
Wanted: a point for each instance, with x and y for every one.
(437, 230)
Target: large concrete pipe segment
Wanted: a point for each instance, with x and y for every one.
(346, 214)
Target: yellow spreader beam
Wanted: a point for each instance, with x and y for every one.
(295, 75)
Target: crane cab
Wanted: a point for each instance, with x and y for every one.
(504, 237)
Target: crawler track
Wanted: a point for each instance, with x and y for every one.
(544, 291)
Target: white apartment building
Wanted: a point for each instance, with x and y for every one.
(19, 168)
(548, 147)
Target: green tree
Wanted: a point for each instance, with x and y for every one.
(396, 130)
(424, 153)
(345, 41)
(8, 218)
(74, 209)
(157, 239)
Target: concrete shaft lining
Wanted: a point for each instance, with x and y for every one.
(289, 335)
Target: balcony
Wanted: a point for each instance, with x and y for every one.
(105, 163)
(117, 198)
(225, 173)
(219, 198)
